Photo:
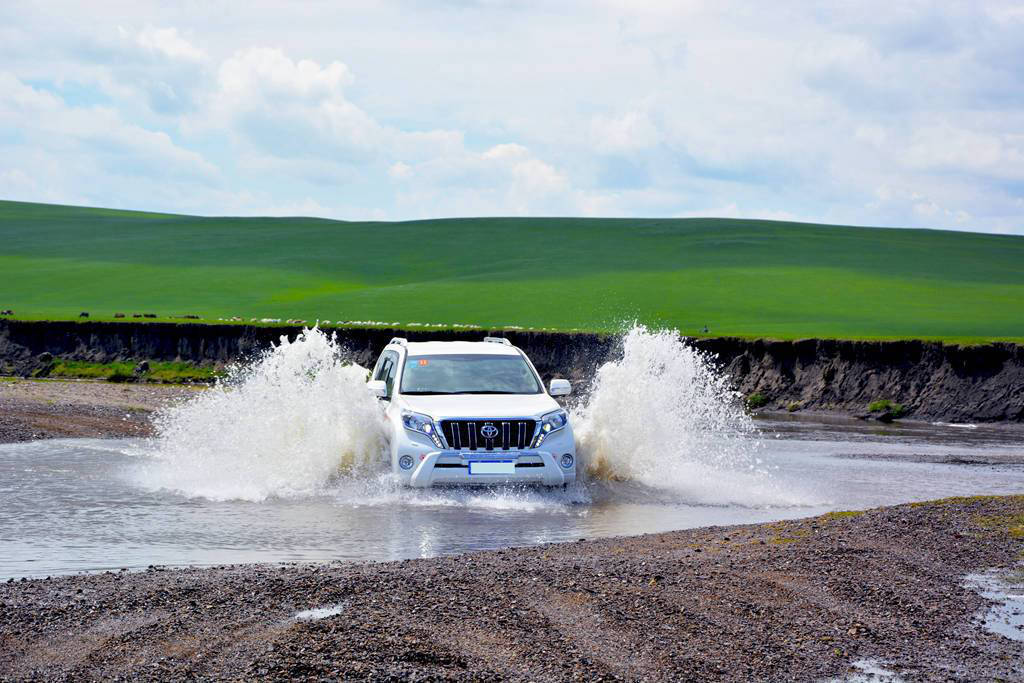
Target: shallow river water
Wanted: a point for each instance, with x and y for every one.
(84, 505)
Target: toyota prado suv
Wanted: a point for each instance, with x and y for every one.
(472, 413)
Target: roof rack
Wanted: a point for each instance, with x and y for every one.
(498, 340)
(401, 341)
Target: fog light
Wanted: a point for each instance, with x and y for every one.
(567, 461)
(405, 462)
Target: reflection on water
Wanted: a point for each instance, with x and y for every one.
(1006, 615)
(71, 505)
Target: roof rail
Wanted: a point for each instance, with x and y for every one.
(498, 340)
(401, 341)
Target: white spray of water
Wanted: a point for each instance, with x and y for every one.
(299, 422)
(662, 416)
(285, 425)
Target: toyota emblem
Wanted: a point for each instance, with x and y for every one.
(488, 431)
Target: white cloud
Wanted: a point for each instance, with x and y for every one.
(400, 170)
(268, 73)
(628, 132)
(291, 109)
(95, 135)
(734, 211)
(505, 179)
(829, 110)
(67, 154)
(946, 147)
(167, 42)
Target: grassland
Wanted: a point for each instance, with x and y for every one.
(738, 277)
(166, 372)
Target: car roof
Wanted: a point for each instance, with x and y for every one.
(437, 348)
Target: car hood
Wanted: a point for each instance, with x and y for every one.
(481, 405)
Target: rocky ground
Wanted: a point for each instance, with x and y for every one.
(801, 600)
(50, 409)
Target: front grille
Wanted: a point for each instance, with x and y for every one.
(506, 433)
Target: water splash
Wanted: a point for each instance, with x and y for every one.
(286, 425)
(661, 415)
(299, 421)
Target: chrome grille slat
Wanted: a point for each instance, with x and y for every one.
(512, 433)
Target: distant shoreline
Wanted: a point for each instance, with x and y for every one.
(929, 381)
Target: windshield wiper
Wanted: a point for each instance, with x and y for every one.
(428, 393)
(452, 393)
(485, 392)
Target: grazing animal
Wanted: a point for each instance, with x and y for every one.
(149, 315)
(119, 315)
(7, 311)
(83, 314)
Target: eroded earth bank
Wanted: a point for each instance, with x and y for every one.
(930, 380)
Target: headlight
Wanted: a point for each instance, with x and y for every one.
(416, 422)
(551, 422)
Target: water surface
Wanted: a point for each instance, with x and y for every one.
(77, 505)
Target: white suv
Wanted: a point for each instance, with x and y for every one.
(472, 413)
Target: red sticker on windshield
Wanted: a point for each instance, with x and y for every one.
(423, 361)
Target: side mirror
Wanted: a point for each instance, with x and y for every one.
(560, 387)
(378, 388)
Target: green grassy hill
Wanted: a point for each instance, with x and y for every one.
(737, 276)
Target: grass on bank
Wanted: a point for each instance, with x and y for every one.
(756, 400)
(168, 372)
(886, 406)
(1010, 523)
(738, 277)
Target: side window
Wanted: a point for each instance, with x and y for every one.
(387, 368)
(392, 371)
(382, 366)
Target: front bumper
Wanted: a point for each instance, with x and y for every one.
(440, 468)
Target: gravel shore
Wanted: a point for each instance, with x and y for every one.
(800, 600)
(53, 409)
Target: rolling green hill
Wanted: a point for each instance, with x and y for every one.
(741, 277)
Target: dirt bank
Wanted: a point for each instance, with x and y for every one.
(800, 600)
(934, 381)
(52, 409)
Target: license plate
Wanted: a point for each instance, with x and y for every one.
(493, 467)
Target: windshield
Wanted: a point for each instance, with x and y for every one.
(468, 374)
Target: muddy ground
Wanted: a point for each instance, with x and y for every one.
(800, 600)
(53, 409)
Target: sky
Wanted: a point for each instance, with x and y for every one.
(862, 112)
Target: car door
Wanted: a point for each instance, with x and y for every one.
(386, 370)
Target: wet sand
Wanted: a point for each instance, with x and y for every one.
(800, 600)
(55, 409)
